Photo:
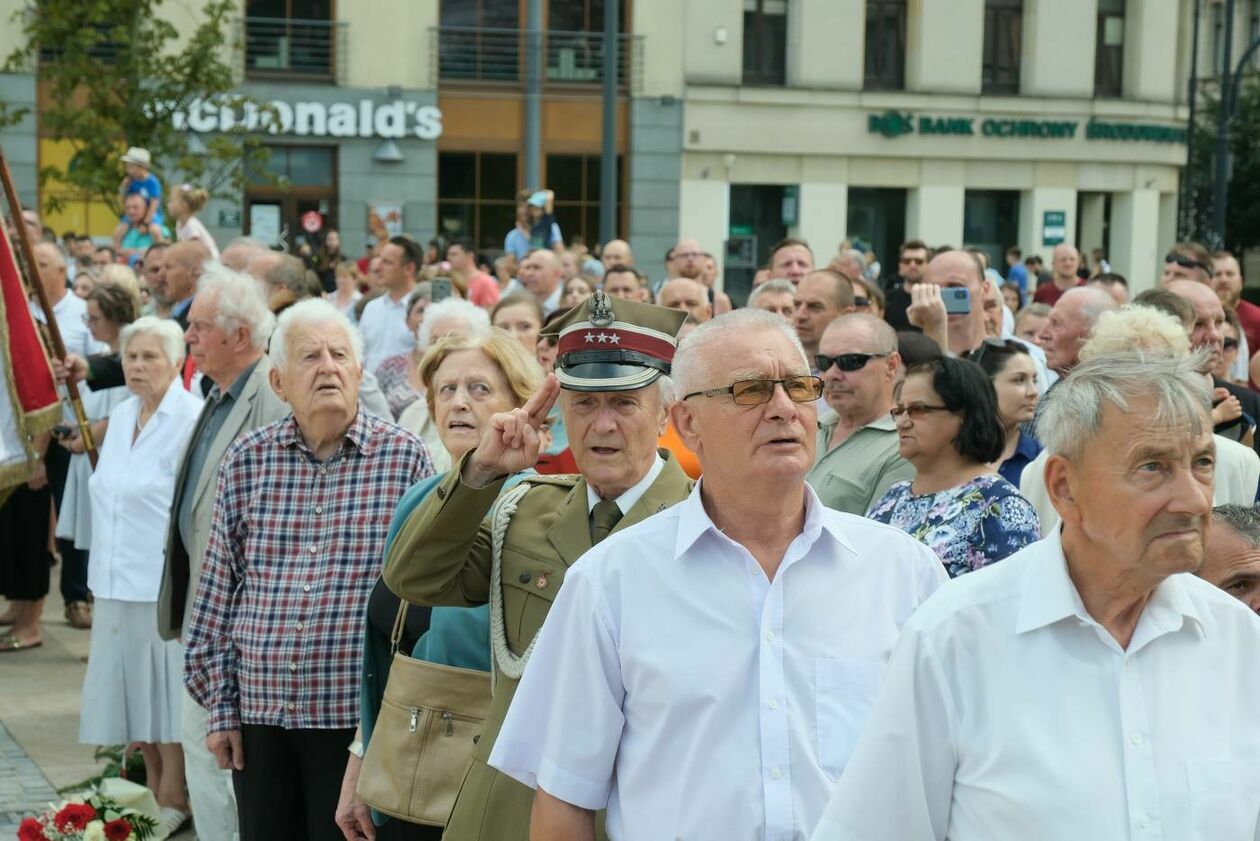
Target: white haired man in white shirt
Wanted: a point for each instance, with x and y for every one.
(1082, 688)
(723, 653)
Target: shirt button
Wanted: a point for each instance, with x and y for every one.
(323, 471)
(299, 626)
(306, 588)
(769, 636)
(1136, 738)
(774, 704)
(312, 550)
(293, 666)
(292, 706)
(319, 509)
(775, 773)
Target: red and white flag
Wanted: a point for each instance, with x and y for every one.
(29, 404)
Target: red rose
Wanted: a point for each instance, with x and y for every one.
(74, 817)
(30, 830)
(118, 830)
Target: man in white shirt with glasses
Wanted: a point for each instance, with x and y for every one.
(723, 653)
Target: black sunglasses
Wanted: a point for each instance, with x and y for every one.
(845, 361)
(1185, 262)
(1230, 344)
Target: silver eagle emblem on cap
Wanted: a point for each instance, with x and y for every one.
(602, 313)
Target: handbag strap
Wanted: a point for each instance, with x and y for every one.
(400, 624)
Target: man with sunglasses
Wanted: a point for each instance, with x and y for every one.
(912, 262)
(1187, 261)
(858, 457)
(722, 654)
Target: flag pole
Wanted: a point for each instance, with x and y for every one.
(54, 332)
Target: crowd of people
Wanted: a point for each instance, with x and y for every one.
(663, 554)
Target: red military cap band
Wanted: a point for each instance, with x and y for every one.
(584, 338)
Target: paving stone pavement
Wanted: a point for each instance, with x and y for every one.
(24, 790)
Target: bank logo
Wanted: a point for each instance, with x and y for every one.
(891, 123)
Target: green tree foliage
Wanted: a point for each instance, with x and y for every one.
(113, 72)
(1242, 220)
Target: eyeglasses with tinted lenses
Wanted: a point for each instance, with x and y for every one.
(756, 392)
(1184, 262)
(1230, 344)
(916, 411)
(861, 303)
(845, 361)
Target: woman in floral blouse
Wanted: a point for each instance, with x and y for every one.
(949, 429)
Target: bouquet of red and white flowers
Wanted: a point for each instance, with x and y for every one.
(93, 817)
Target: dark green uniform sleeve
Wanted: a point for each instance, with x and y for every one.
(442, 553)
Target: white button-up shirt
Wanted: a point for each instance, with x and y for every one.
(131, 490)
(675, 684)
(1008, 712)
(384, 328)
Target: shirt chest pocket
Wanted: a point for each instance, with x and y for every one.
(844, 692)
(530, 586)
(1224, 799)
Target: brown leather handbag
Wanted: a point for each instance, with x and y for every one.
(423, 741)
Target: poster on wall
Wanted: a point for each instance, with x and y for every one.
(385, 219)
(264, 223)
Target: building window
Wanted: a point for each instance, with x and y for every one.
(1002, 45)
(480, 39)
(991, 222)
(765, 42)
(476, 197)
(885, 45)
(1109, 49)
(300, 179)
(575, 181)
(290, 38)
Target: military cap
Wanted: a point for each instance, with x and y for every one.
(611, 344)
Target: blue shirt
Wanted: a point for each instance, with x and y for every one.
(517, 242)
(1025, 451)
(148, 189)
(969, 526)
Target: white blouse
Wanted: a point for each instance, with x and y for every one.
(194, 229)
(132, 490)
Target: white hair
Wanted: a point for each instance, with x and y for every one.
(311, 311)
(774, 286)
(477, 319)
(1072, 416)
(691, 370)
(168, 334)
(239, 302)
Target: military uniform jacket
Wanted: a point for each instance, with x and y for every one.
(442, 556)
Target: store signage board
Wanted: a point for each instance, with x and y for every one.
(892, 124)
(365, 118)
(1054, 227)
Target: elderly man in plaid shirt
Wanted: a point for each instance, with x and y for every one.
(273, 649)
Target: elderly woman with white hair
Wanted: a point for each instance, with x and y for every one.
(445, 318)
(133, 686)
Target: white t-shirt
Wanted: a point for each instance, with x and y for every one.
(193, 229)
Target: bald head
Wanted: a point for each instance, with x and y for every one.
(541, 272)
(687, 259)
(617, 253)
(1070, 323)
(688, 295)
(189, 253)
(238, 254)
(1208, 332)
(262, 263)
(52, 270)
(183, 265)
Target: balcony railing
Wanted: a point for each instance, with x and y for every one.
(293, 48)
(474, 54)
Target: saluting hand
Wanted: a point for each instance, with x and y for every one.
(512, 440)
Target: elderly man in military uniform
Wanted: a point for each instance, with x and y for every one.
(612, 384)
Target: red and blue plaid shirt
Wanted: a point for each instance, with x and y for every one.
(295, 547)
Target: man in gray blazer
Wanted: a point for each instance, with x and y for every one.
(228, 328)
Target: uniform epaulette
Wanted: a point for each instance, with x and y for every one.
(559, 480)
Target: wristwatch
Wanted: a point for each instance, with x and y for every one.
(356, 748)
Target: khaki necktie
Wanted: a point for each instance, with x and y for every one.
(604, 518)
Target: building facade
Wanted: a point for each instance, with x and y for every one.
(981, 122)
